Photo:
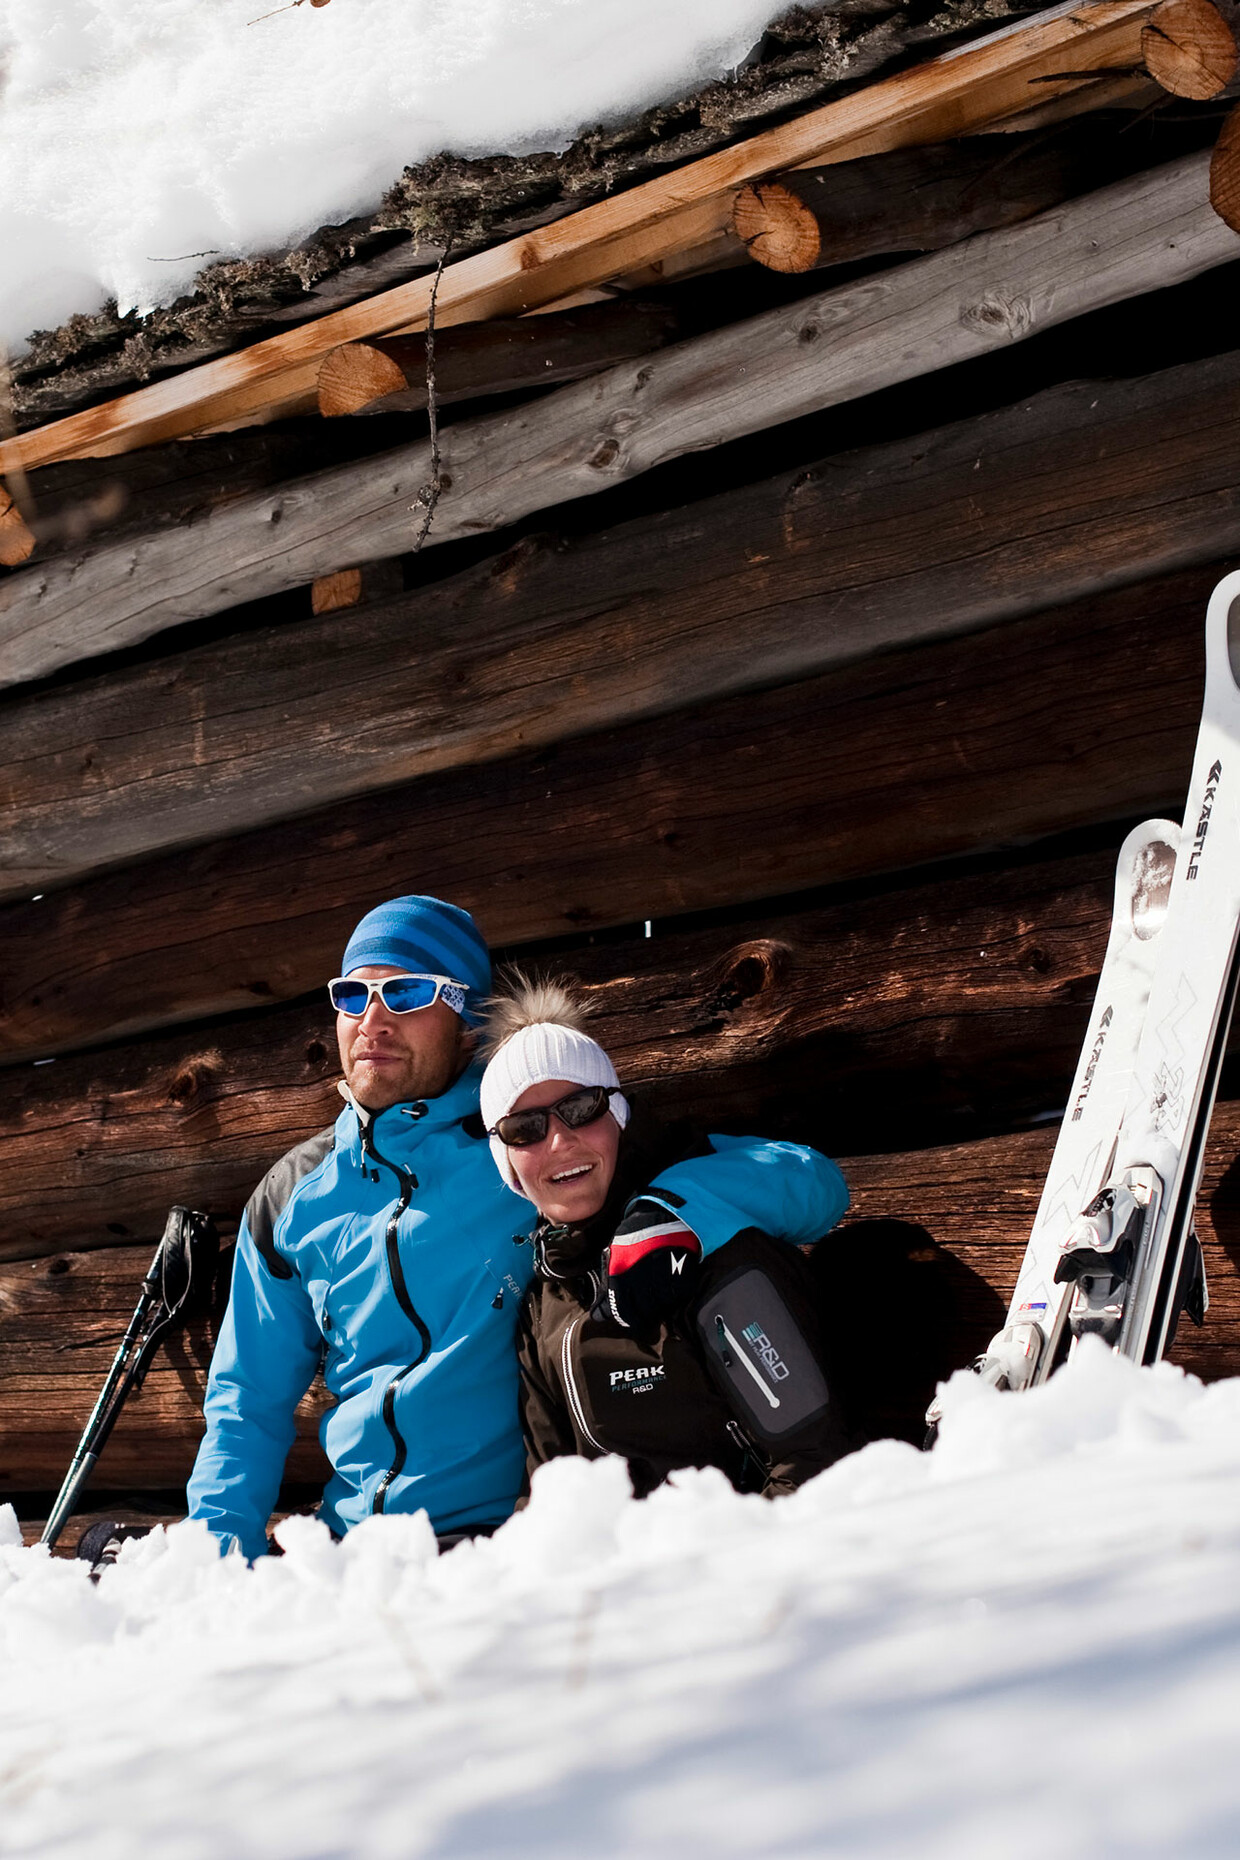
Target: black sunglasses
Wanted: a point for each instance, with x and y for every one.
(520, 1129)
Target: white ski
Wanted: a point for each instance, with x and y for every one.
(1136, 1262)
(1113, 1252)
(1031, 1342)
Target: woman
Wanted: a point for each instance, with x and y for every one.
(663, 1322)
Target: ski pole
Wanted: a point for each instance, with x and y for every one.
(183, 1268)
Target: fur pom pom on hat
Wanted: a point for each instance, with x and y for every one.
(535, 1034)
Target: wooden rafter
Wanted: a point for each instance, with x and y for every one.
(953, 94)
(475, 359)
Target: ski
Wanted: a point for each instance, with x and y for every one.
(1033, 1338)
(1113, 1253)
(1135, 1262)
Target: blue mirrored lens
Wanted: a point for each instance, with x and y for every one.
(348, 997)
(403, 993)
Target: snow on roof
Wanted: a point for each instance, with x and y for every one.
(139, 136)
(182, 177)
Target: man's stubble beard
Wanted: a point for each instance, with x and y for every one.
(425, 1075)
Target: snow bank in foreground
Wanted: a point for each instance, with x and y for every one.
(885, 1664)
(139, 136)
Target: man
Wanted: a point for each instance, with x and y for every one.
(383, 1248)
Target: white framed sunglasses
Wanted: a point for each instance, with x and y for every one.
(400, 994)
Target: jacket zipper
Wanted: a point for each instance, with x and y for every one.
(408, 1182)
(570, 1384)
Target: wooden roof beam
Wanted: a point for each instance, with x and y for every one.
(474, 359)
(1000, 76)
(923, 199)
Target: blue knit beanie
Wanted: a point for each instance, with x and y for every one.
(427, 936)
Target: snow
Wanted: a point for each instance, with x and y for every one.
(140, 138)
(891, 1663)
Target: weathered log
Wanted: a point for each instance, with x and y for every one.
(473, 359)
(1189, 48)
(965, 89)
(999, 515)
(976, 1200)
(166, 487)
(1139, 235)
(1021, 731)
(948, 1006)
(60, 1321)
(915, 200)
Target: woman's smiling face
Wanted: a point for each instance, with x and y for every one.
(568, 1174)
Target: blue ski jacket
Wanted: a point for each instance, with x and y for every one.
(388, 1249)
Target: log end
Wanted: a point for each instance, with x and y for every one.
(777, 229)
(1188, 47)
(343, 589)
(1225, 173)
(355, 375)
(16, 537)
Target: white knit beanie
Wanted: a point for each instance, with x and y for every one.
(531, 1056)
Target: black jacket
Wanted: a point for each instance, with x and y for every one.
(590, 1387)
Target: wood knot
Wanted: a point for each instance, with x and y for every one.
(526, 549)
(606, 455)
(56, 1267)
(749, 970)
(996, 315)
(194, 1077)
(1035, 961)
(316, 1053)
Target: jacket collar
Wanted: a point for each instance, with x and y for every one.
(403, 1126)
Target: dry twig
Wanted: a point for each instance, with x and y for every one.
(428, 496)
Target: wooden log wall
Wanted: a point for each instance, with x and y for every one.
(894, 1014)
(945, 749)
(990, 518)
(879, 893)
(951, 1002)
